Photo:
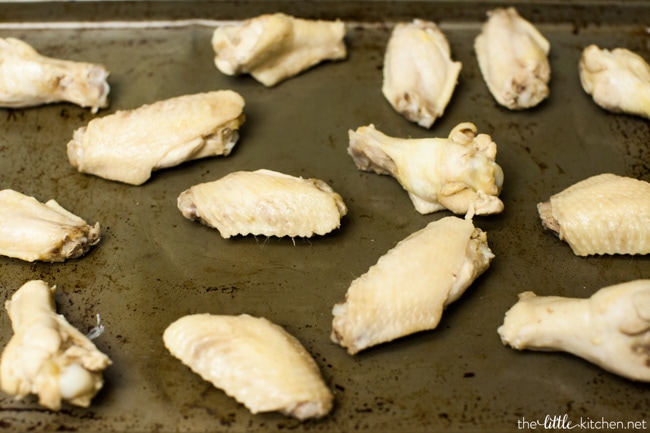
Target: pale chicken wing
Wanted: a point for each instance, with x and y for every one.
(513, 57)
(274, 47)
(128, 145)
(458, 173)
(31, 230)
(264, 202)
(253, 360)
(603, 214)
(419, 74)
(618, 80)
(28, 78)
(46, 355)
(408, 288)
(610, 329)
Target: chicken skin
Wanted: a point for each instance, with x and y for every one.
(604, 214)
(28, 78)
(458, 173)
(264, 202)
(254, 361)
(618, 80)
(408, 288)
(419, 74)
(513, 57)
(31, 230)
(128, 145)
(46, 355)
(274, 47)
(610, 329)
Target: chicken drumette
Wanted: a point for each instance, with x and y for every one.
(610, 329)
(28, 78)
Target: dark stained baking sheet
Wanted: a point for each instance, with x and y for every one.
(153, 266)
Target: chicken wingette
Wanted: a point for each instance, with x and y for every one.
(264, 202)
(31, 230)
(408, 288)
(274, 47)
(618, 80)
(419, 74)
(513, 57)
(603, 214)
(253, 360)
(128, 145)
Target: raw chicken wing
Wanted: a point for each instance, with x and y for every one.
(264, 202)
(419, 74)
(28, 79)
(46, 355)
(604, 214)
(252, 360)
(618, 80)
(31, 230)
(275, 47)
(128, 145)
(513, 57)
(458, 173)
(408, 288)
(611, 329)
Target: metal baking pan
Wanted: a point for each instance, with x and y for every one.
(153, 266)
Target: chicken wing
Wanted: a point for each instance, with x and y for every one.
(408, 288)
(611, 329)
(128, 145)
(254, 361)
(419, 74)
(264, 202)
(274, 47)
(458, 173)
(31, 230)
(618, 80)
(27, 79)
(46, 355)
(604, 214)
(513, 57)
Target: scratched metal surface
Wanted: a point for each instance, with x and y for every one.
(153, 266)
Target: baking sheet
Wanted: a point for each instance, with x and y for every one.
(153, 266)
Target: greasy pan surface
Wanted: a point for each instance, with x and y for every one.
(153, 266)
